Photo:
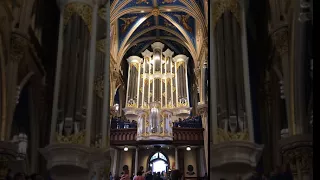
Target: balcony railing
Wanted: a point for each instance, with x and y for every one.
(189, 136)
(192, 122)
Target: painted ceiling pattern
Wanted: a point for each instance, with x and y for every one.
(176, 23)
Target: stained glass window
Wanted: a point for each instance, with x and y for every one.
(155, 156)
(161, 156)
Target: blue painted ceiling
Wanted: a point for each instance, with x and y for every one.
(135, 17)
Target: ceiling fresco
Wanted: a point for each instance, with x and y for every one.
(173, 22)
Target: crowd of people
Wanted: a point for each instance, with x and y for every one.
(119, 123)
(191, 122)
(149, 175)
(22, 176)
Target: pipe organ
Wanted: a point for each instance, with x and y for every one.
(157, 92)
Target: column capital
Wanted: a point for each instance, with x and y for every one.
(134, 59)
(168, 53)
(157, 45)
(202, 108)
(147, 54)
(181, 58)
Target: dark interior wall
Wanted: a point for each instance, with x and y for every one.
(50, 14)
(258, 52)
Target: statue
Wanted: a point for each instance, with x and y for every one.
(23, 143)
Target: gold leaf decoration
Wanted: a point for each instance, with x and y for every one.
(81, 9)
(72, 139)
(221, 6)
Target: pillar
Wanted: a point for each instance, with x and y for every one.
(203, 111)
(93, 42)
(136, 161)
(176, 157)
(105, 113)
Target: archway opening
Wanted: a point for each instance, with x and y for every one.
(158, 162)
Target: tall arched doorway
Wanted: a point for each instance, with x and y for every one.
(158, 162)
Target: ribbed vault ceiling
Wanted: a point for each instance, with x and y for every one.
(135, 24)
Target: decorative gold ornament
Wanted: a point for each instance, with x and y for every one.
(184, 104)
(221, 6)
(155, 12)
(179, 64)
(81, 9)
(134, 64)
(132, 105)
(72, 139)
(225, 136)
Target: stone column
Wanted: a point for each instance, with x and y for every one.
(93, 42)
(136, 161)
(106, 99)
(203, 111)
(176, 157)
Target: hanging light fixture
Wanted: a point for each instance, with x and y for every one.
(188, 148)
(125, 148)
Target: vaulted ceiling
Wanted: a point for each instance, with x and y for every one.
(135, 24)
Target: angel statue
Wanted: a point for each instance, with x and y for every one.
(183, 19)
(127, 23)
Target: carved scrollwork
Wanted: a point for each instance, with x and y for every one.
(280, 40)
(18, 43)
(99, 86)
(101, 45)
(221, 6)
(301, 158)
(82, 9)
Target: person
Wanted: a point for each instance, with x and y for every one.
(175, 175)
(163, 175)
(125, 175)
(138, 176)
(110, 176)
(158, 176)
(205, 177)
(149, 176)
